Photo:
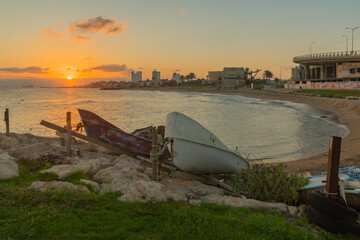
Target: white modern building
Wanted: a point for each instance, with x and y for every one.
(136, 77)
(155, 75)
(176, 77)
(327, 70)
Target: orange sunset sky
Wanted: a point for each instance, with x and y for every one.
(96, 40)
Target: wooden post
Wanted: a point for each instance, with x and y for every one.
(332, 178)
(155, 149)
(68, 132)
(6, 119)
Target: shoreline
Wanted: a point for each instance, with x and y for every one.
(348, 112)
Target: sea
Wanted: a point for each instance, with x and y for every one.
(260, 130)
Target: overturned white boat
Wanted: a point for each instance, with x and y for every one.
(195, 149)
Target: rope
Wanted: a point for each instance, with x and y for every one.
(154, 156)
(331, 194)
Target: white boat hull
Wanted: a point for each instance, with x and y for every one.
(195, 149)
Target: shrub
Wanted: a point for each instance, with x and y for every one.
(268, 184)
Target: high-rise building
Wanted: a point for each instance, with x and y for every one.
(136, 77)
(155, 75)
(176, 77)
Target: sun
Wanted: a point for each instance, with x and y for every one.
(69, 77)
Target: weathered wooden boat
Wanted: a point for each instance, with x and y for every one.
(98, 128)
(195, 149)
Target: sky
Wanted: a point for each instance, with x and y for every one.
(100, 40)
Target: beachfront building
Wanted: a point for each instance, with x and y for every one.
(155, 75)
(326, 70)
(136, 77)
(176, 77)
(228, 78)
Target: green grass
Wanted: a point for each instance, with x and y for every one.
(29, 214)
(331, 93)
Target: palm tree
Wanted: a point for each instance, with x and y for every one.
(267, 74)
(192, 76)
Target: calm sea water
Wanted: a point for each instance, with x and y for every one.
(267, 130)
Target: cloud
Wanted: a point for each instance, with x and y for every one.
(99, 24)
(180, 11)
(31, 69)
(79, 38)
(177, 70)
(53, 34)
(109, 68)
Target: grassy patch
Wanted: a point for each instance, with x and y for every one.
(331, 93)
(28, 214)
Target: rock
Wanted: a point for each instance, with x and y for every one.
(294, 211)
(176, 196)
(251, 203)
(197, 188)
(8, 142)
(94, 155)
(125, 161)
(195, 202)
(302, 211)
(8, 166)
(91, 166)
(30, 151)
(107, 175)
(62, 171)
(143, 191)
(58, 185)
(95, 185)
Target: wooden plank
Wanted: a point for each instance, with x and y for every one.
(86, 138)
(154, 150)
(7, 121)
(219, 183)
(68, 134)
(332, 178)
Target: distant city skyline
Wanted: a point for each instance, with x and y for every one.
(108, 40)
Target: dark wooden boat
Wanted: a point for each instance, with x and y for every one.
(98, 128)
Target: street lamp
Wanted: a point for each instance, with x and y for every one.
(352, 37)
(347, 41)
(310, 46)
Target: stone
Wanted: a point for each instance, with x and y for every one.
(294, 211)
(95, 185)
(30, 151)
(8, 166)
(239, 202)
(176, 196)
(197, 188)
(62, 171)
(302, 211)
(8, 142)
(107, 175)
(91, 166)
(58, 185)
(143, 191)
(124, 161)
(195, 202)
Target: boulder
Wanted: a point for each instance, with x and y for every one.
(8, 166)
(91, 166)
(107, 175)
(195, 187)
(30, 151)
(142, 191)
(127, 162)
(251, 203)
(58, 185)
(95, 185)
(8, 142)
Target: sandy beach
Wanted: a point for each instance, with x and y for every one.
(347, 110)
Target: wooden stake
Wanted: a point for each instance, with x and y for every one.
(155, 149)
(332, 178)
(6, 119)
(68, 132)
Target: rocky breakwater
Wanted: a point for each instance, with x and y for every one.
(107, 172)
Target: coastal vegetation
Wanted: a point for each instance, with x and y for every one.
(268, 184)
(268, 74)
(351, 94)
(29, 214)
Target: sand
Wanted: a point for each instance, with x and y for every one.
(347, 110)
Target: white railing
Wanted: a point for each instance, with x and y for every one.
(328, 55)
